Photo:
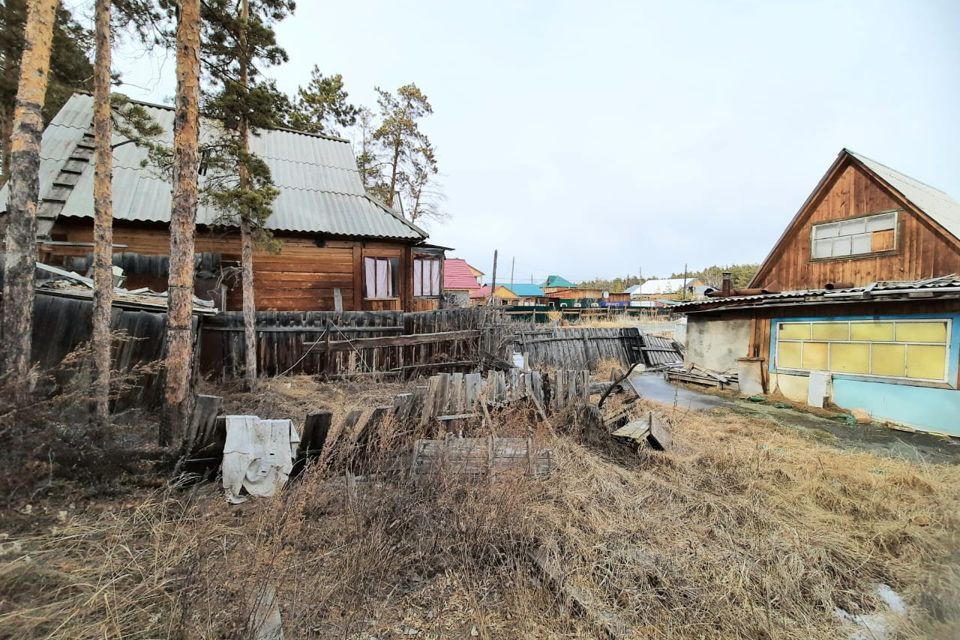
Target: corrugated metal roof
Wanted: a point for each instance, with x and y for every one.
(524, 290)
(947, 285)
(558, 281)
(320, 187)
(457, 275)
(935, 203)
(662, 286)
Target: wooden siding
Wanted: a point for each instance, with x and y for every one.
(300, 277)
(922, 249)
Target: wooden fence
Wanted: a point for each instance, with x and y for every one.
(62, 324)
(388, 343)
(571, 347)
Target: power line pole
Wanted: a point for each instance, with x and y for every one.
(513, 262)
(493, 286)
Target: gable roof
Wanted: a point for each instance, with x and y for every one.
(558, 281)
(663, 286)
(458, 275)
(935, 203)
(316, 175)
(925, 200)
(525, 290)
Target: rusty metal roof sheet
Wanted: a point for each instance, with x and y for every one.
(320, 186)
(902, 289)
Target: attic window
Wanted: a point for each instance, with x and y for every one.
(855, 236)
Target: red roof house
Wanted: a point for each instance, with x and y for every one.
(459, 276)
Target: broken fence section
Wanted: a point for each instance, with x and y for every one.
(355, 343)
(480, 456)
(583, 348)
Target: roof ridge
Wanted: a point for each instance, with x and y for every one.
(167, 107)
(861, 157)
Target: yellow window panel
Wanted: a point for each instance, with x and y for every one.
(926, 361)
(922, 332)
(872, 331)
(788, 355)
(888, 360)
(831, 331)
(849, 357)
(815, 355)
(794, 331)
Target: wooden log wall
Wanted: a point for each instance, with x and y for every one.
(355, 342)
(301, 276)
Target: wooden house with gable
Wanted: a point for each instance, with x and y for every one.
(338, 247)
(858, 302)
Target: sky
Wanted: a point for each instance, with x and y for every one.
(600, 139)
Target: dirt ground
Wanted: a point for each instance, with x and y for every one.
(753, 525)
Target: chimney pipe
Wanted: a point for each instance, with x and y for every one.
(727, 287)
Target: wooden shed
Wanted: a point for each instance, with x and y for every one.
(860, 295)
(337, 245)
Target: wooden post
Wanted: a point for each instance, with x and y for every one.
(493, 285)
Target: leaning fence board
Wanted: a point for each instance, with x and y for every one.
(478, 456)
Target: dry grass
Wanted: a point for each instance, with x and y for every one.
(744, 530)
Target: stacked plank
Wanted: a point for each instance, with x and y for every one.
(701, 376)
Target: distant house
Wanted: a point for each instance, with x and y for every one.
(557, 282)
(338, 246)
(858, 302)
(526, 294)
(459, 281)
(664, 288)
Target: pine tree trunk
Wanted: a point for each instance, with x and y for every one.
(249, 307)
(246, 239)
(103, 216)
(179, 348)
(393, 173)
(21, 240)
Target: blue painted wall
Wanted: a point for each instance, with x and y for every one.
(921, 407)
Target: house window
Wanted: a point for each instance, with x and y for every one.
(381, 277)
(901, 349)
(857, 236)
(426, 276)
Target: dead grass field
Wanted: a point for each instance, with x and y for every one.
(743, 530)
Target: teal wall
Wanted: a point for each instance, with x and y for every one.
(924, 408)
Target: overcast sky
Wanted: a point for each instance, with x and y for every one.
(601, 138)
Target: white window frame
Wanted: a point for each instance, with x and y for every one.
(390, 266)
(895, 321)
(432, 277)
(865, 232)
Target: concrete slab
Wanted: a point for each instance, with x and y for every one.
(652, 386)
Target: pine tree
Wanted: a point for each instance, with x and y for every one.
(21, 249)
(241, 188)
(186, 161)
(399, 132)
(70, 67)
(322, 106)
